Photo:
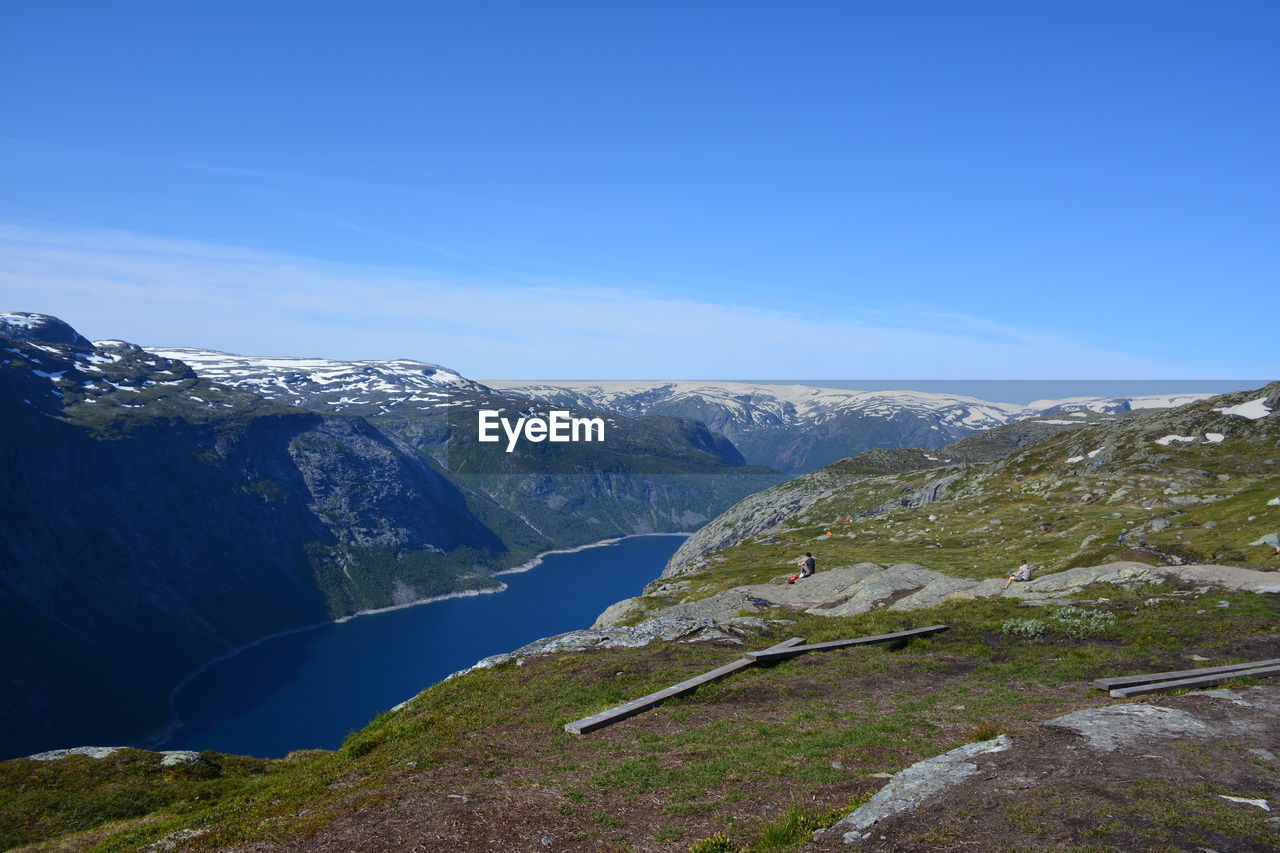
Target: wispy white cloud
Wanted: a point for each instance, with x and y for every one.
(164, 291)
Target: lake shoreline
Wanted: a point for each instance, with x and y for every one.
(158, 737)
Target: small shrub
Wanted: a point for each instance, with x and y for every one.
(718, 843)
(1078, 623)
(1027, 629)
(985, 731)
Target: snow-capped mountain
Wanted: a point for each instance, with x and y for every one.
(791, 428)
(358, 387)
(1112, 405)
(798, 428)
(768, 405)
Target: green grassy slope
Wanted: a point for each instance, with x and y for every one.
(1052, 503)
(810, 733)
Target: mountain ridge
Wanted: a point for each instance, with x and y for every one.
(799, 428)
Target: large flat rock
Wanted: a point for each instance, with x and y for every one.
(850, 590)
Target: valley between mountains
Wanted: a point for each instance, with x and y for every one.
(1151, 526)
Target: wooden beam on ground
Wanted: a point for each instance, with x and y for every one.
(1202, 681)
(644, 703)
(776, 653)
(1151, 677)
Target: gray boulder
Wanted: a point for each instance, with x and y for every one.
(920, 782)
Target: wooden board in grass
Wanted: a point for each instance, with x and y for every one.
(644, 703)
(778, 654)
(1190, 683)
(1151, 677)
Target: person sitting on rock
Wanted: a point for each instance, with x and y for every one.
(808, 565)
(1022, 574)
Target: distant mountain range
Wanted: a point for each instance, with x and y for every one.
(800, 428)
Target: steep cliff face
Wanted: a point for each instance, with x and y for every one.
(152, 520)
(654, 473)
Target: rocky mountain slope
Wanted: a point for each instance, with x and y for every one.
(1198, 483)
(154, 519)
(799, 428)
(647, 477)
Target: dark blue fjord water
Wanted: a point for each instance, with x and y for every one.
(312, 688)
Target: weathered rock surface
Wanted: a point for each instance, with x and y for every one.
(91, 751)
(850, 590)
(1099, 753)
(1124, 725)
(170, 757)
(713, 622)
(757, 514)
(917, 784)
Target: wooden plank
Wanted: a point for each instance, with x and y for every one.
(1203, 681)
(779, 654)
(644, 703)
(1129, 680)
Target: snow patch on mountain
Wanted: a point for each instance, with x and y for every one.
(1253, 409)
(21, 320)
(1110, 405)
(1170, 439)
(337, 385)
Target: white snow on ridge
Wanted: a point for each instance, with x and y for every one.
(757, 403)
(1253, 410)
(298, 379)
(1106, 405)
(753, 405)
(22, 321)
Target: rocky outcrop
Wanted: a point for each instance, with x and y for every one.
(1098, 754)
(683, 626)
(755, 515)
(915, 786)
(769, 511)
(850, 590)
(169, 757)
(931, 492)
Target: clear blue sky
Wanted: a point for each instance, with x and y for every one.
(654, 189)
